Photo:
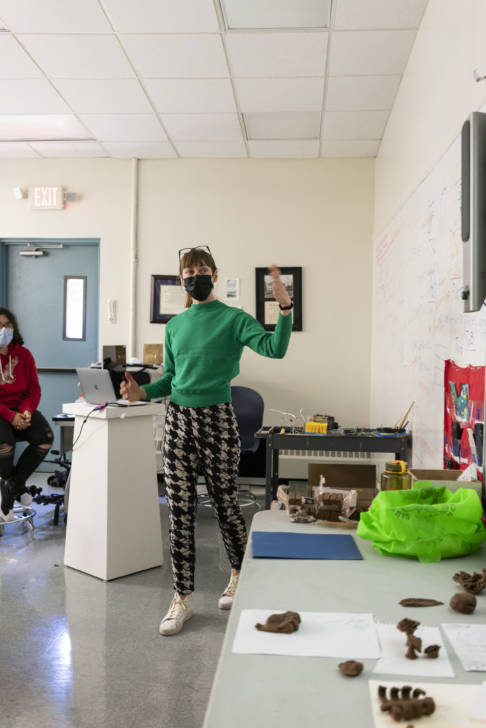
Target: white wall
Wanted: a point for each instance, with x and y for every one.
(311, 213)
(436, 94)
(418, 319)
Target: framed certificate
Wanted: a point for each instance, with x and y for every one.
(168, 298)
(267, 309)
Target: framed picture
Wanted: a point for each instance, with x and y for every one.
(232, 289)
(168, 298)
(267, 309)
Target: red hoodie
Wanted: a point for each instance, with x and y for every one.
(19, 385)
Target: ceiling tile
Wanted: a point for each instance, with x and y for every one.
(308, 149)
(353, 93)
(302, 125)
(277, 54)
(212, 149)
(53, 16)
(279, 94)
(78, 56)
(69, 149)
(177, 56)
(354, 124)
(349, 148)
(276, 13)
(125, 127)
(50, 126)
(374, 14)
(202, 127)
(104, 97)
(14, 61)
(16, 150)
(370, 52)
(162, 16)
(194, 95)
(30, 97)
(154, 150)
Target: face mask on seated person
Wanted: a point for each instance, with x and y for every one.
(199, 287)
(6, 336)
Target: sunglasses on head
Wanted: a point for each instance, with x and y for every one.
(183, 251)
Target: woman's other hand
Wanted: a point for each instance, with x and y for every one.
(280, 293)
(130, 390)
(27, 416)
(19, 422)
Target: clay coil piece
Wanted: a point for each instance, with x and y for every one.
(285, 623)
(432, 651)
(473, 583)
(419, 602)
(350, 668)
(403, 704)
(463, 603)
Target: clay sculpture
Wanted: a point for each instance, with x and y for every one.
(419, 602)
(403, 704)
(350, 668)
(473, 583)
(463, 603)
(285, 623)
(414, 644)
(329, 506)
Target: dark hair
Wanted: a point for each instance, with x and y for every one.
(195, 257)
(17, 336)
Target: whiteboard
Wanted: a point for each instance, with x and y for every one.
(418, 319)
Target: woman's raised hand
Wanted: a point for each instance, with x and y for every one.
(280, 293)
(130, 390)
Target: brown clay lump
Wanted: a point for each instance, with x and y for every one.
(414, 644)
(463, 603)
(350, 668)
(285, 623)
(473, 583)
(403, 704)
(407, 625)
(432, 651)
(419, 602)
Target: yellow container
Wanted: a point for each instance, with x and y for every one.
(320, 427)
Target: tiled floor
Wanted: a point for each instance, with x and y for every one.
(76, 651)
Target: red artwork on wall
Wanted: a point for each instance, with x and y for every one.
(463, 416)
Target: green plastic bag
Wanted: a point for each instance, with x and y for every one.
(428, 523)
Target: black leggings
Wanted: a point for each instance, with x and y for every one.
(38, 433)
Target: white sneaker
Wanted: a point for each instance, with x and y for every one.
(180, 611)
(226, 599)
(26, 498)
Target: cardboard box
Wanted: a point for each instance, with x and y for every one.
(448, 478)
(362, 478)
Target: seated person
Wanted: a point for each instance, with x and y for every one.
(20, 420)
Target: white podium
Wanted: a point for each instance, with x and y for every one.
(113, 525)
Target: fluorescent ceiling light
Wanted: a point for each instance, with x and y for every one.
(275, 14)
(21, 127)
(299, 125)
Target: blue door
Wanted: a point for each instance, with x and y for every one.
(36, 292)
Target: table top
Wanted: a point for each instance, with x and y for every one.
(334, 440)
(82, 409)
(304, 692)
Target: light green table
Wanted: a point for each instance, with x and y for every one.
(270, 691)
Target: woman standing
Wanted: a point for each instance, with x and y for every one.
(203, 348)
(20, 420)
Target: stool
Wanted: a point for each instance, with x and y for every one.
(24, 515)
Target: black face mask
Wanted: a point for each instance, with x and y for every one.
(199, 287)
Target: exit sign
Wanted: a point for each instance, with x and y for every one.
(46, 198)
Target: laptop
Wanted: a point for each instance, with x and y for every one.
(97, 388)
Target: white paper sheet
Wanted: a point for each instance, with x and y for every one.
(469, 643)
(454, 705)
(320, 634)
(479, 712)
(394, 662)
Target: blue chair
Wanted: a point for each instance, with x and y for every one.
(248, 406)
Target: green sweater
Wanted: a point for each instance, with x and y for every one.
(203, 348)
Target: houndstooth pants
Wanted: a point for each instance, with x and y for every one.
(204, 439)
